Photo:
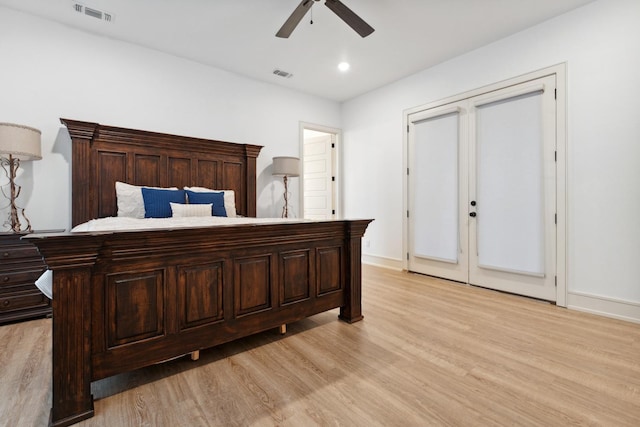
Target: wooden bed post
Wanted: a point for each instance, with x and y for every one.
(71, 352)
(352, 310)
(71, 388)
(83, 135)
(252, 152)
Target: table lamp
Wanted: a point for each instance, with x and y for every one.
(17, 143)
(286, 167)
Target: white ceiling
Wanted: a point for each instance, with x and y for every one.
(239, 35)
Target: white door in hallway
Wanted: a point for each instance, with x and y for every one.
(482, 178)
(318, 177)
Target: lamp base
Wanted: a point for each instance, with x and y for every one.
(285, 208)
(10, 167)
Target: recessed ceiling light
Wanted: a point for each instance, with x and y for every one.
(344, 66)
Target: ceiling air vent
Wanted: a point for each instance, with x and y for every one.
(282, 74)
(94, 13)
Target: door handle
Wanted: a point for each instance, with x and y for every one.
(472, 214)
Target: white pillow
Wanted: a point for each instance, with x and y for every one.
(130, 201)
(180, 210)
(229, 198)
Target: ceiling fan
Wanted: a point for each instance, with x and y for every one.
(343, 12)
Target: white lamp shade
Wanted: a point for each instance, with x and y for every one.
(21, 142)
(286, 166)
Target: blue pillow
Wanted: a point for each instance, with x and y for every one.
(156, 202)
(216, 199)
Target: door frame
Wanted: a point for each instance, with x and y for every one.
(337, 171)
(559, 70)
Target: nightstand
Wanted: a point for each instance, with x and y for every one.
(20, 266)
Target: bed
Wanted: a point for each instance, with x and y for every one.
(123, 300)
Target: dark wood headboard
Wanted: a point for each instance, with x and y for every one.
(102, 155)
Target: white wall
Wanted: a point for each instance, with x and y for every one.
(601, 45)
(50, 71)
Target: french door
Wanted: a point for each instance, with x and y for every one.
(482, 190)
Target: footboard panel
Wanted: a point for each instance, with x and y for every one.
(131, 299)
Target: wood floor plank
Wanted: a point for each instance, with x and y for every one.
(429, 352)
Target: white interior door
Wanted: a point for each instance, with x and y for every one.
(482, 190)
(318, 177)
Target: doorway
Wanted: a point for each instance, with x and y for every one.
(319, 172)
(482, 188)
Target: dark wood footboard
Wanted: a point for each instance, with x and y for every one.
(126, 300)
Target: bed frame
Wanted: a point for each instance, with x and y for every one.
(125, 300)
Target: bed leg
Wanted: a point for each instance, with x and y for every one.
(283, 329)
(195, 355)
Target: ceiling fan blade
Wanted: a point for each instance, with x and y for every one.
(292, 22)
(348, 16)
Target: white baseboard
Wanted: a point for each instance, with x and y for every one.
(392, 263)
(604, 306)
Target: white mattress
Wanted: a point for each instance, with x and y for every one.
(45, 282)
(131, 224)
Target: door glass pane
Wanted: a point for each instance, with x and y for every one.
(509, 153)
(435, 177)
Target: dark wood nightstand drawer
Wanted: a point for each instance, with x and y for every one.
(20, 266)
(18, 253)
(9, 279)
(23, 300)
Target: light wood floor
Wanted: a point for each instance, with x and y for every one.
(429, 352)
